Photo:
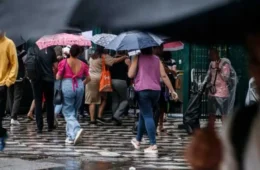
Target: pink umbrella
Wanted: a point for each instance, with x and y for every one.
(62, 39)
(173, 46)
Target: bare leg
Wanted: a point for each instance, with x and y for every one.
(30, 113)
(161, 119)
(92, 112)
(102, 107)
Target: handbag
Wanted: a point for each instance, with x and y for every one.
(131, 93)
(58, 95)
(105, 84)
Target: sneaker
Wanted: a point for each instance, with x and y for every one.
(116, 122)
(69, 141)
(14, 122)
(135, 143)
(78, 136)
(151, 149)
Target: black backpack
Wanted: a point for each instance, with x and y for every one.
(31, 64)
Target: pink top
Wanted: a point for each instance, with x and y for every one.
(65, 71)
(221, 85)
(148, 74)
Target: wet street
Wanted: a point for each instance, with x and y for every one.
(102, 148)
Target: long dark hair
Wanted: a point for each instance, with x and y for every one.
(98, 52)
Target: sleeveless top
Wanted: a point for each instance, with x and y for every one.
(119, 71)
(148, 73)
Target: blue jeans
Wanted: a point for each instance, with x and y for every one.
(57, 108)
(71, 104)
(147, 100)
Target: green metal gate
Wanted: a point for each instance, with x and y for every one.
(196, 58)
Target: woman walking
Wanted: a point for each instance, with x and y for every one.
(93, 96)
(147, 86)
(70, 72)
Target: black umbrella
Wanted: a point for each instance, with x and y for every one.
(18, 40)
(32, 18)
(70, 30)
(190, 20)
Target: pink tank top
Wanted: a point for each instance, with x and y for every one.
(148, 74)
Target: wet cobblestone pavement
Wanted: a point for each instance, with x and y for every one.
(102, 147)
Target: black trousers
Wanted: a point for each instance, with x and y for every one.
(14, 97)
(3, 98)
(47, 88)
(82, 106)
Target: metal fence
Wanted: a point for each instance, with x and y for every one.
(199, 63)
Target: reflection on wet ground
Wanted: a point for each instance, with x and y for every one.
(102, 147)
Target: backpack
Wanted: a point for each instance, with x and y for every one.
(31, 64)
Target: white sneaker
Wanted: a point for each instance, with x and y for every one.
(69, 141)
(14, 122)
(151, 149)
(78, 136)
(135, 143)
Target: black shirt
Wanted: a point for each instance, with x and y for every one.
(119, 71)
(46, 59)
(21, 68)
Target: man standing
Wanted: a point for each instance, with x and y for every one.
(8, 73)
(46, 61)
(222, 82)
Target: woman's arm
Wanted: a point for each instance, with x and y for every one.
(86, 72)
(133, 68)
(87, 80)
(168, 70)
(58, 77)
(120, 59)
(167, 81)
(110, 60)
(61, 69)
(128, 63)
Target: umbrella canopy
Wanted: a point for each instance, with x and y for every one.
(103, 39)
(205, 21)
(33, 18)
(18, 41)
(62, 39)
(173, 46)
(70, 30)
(88, 34)
(134, 40)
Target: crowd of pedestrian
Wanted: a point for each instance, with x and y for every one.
(66, 70)
(64, 81)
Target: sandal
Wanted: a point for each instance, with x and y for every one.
(30, 116)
